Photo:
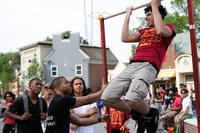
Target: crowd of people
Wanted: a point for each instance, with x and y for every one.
(174, 105)
(82, 108)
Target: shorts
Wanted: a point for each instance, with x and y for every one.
(132, 83)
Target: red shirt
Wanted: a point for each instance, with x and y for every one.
(118, 118)
(151, 47)
(177, 103)
(7, 119)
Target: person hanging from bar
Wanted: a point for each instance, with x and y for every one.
(134, 81)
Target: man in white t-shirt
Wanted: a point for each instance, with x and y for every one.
(186, 111)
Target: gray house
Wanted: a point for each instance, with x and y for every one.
(68, 58)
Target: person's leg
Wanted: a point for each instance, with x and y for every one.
(13, 128)
(6, 128)
(115, 131)
(133, 82)
(140, 128)
(128, 106)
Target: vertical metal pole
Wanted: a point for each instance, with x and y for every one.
(194, 59)
(104, 62)
(103, 43)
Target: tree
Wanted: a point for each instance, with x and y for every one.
(66, 34)
(8, 64)
(34, 70)
(180, 22)
(48, 39)
(181, 14)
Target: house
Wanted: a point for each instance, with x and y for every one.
(66, 57)
(38, 51)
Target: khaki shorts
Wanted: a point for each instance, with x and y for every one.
(133, 83)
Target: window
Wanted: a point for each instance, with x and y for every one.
(78, 70)
(54, 71)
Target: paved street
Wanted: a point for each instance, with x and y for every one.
(98, 128)
(1, 125)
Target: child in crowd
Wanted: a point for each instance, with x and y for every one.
(58, 114)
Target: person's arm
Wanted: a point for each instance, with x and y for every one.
(126, 36)
(91, 98)
(25, 116)
(86, 121)
(161, 29)
(156, 100)
(91, 112)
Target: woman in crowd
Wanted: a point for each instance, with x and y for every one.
(90, 110)
(9, 124)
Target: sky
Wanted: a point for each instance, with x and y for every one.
(24, 22)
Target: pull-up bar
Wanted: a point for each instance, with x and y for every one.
(122, 12)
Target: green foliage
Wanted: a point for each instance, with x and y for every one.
(83, 41)
(133, 49)
(49, 39)
(180, 22)
(66, 34)
(8, 62)
(180, 7)
(34, 70)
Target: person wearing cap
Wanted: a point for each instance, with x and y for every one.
(186, 111)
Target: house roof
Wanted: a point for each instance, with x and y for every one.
(35, 45)
(96, 56)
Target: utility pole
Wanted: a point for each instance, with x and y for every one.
(194, 59)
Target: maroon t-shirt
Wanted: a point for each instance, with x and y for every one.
(151, 47)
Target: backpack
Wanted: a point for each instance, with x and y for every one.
(26, 105)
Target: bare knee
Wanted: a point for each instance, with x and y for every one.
(106, 103)
(140, 106)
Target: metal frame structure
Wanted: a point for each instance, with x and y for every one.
(193, 48)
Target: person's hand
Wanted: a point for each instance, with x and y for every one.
(124, 129)
(42, 116)
(155, 3)
(104, 117)
(103, 87)
(73, 127)
(25, 116)
(129, 10)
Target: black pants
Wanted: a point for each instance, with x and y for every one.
(9, 128)
(115, 131)
(150, 123)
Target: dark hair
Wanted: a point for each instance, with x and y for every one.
(47, 86)
(185, 86)
(161, 9)
(9, 93)
(56, 82)
(85, 92)
(33, 79)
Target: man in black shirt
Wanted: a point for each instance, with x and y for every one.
(58, 114)
(29, 122)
